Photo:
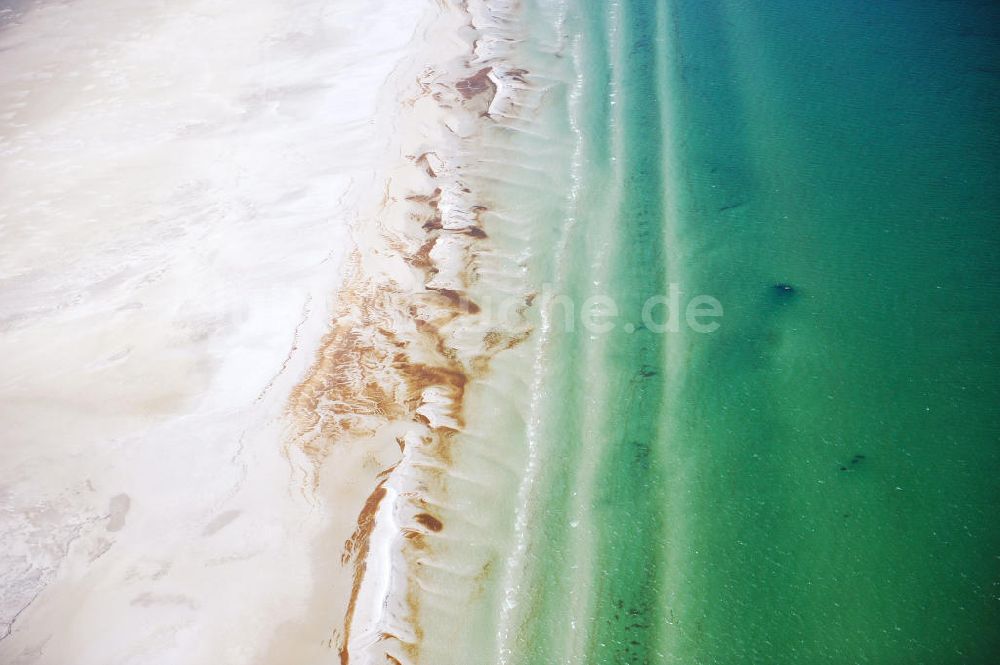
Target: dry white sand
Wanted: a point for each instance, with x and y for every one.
(176, 184)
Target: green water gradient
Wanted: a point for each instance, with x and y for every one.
(627, 509)
(839, 477)
(815, 482)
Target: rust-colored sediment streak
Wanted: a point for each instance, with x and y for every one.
(431, 199)
(389, 357)
(416, 539)
(356, 547)
(477, 84)
(429, 521)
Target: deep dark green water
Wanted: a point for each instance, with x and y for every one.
(817, 480)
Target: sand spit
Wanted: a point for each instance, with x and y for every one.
(409, 337)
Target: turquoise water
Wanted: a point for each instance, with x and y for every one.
(849, 150)
(816, 481)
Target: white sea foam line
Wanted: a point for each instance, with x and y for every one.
(454, 216)
(516, 560)
(576, 103)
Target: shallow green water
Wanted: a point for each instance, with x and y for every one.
(816, 481)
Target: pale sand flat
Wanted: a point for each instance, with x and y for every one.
(178, 184)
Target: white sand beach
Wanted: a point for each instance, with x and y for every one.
(177, 184)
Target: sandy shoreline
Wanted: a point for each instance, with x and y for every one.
(411, 346)
(179, 181)
(242, 309)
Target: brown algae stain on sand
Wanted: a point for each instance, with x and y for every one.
(392, 357)
(356, 550)
(429, 521)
